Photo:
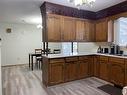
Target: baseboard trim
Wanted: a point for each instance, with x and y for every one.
(14, 65)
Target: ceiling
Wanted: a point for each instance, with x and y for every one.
(27, 11)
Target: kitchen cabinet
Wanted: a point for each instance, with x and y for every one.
(59, 28)
(64, 69)
(117, 71)
(83, 67)
(101, 30)
(125, 72)
(56, 71)
(71, 68)
(89, 31)
(68, 29)
(85, 30)
(96, 65)
(53, 28)
(80, 30)
(104, 30)
(104, 68)
(91, 66)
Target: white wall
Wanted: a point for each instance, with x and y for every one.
(0, 71)
(16, 45)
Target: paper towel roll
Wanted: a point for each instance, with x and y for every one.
(124, 91)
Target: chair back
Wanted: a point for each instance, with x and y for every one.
(56, 51)
(38, 51)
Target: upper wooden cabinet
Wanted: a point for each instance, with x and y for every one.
(68, 29)
(90, 31)
(59, 28)
(101, 30)
(84, 30)
(80, 30)
(54, 28)
(104, 30)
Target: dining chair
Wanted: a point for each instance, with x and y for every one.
(56, 51)
(38, 58)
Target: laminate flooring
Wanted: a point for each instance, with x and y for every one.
(19, 80)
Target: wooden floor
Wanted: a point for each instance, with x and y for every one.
(19, 80)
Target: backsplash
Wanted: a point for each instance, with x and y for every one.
(82, 47)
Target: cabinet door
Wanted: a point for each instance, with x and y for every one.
(56, 73)
(89, 31)
(117, 74)
(96, 66)
(85, 30)
(54, 28)
(80, 30)
(71, 71)
(68, 29)
(102, 30)
(91, 66)
(104, 70)
(82, 69)
(125, 72)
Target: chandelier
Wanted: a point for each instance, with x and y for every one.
(79, 3)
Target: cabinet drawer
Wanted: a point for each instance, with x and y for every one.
(118, 60)
(56, 61)
(71, 59)
(83, 58)
(103, 58)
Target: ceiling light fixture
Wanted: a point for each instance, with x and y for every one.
(79, 3)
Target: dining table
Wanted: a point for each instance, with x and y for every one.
(31, 56)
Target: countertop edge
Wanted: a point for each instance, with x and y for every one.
(83, 54)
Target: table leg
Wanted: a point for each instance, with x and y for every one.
(29, 60)
(32, 62)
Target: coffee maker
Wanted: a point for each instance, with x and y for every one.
(114, 49)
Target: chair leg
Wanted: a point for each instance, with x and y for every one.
(39, 64)
(36, 65)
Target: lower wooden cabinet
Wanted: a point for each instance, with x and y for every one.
(104, 68)
(60, 70)
(125, 72)
(96, 65)
(83, 70)
(71, 71)
(56, 71)
(91, 66)
(117, 71)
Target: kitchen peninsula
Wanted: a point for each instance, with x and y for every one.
(64, 68)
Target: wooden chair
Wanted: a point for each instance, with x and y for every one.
(38, 58)
(56, 51)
